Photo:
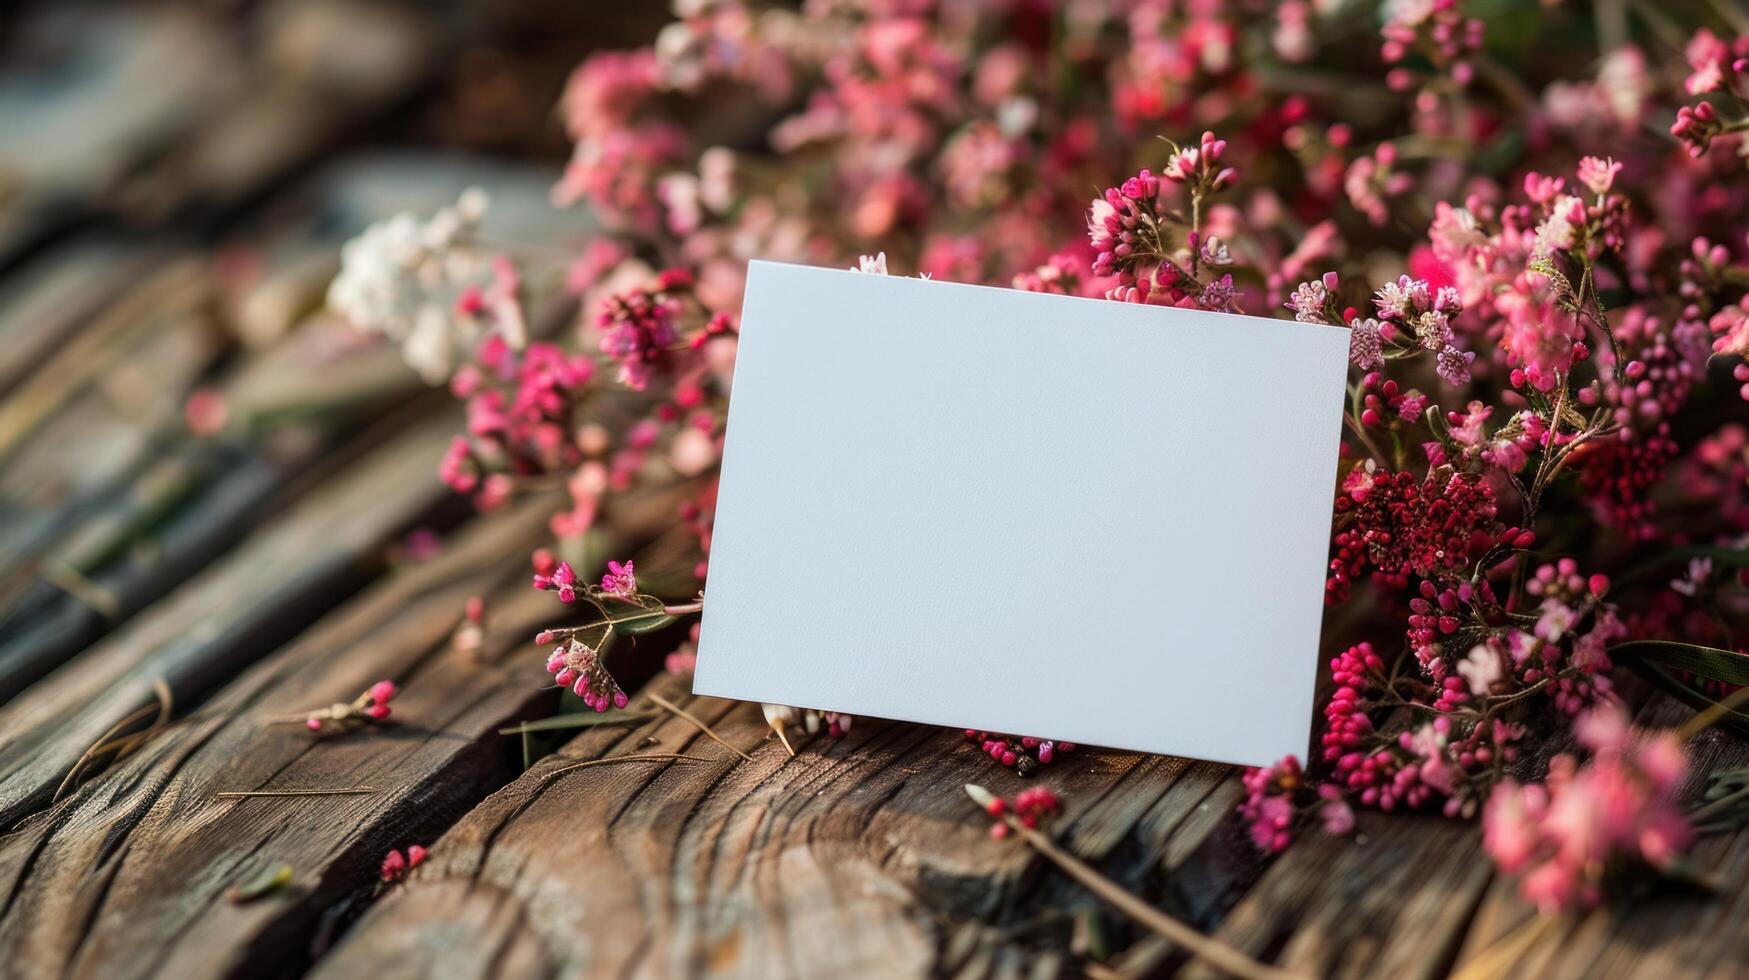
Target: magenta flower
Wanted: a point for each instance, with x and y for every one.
(1364, 350)
(576, 665)
(621, 580)
(1566, 835)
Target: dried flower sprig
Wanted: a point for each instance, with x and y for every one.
(369, 708)
(578, 662)
(1043, 802)
(576, 665)
(1030, 807)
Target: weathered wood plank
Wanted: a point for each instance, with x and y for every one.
(271, 585)
(110, 504)
(127, 877)
(321, 67)
(56, 293)
(90, 90)
(862, 855)
(1392, 902)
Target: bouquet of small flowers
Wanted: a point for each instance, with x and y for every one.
(1532, 223)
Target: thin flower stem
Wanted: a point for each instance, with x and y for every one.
(616, 760)
(1700, 722)
(680, 609)
(112, 741)
(700, 725)
(1217, 953)
(240, 794)
(1366, 439)
(777, 726)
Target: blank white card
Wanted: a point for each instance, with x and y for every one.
(1041, 515)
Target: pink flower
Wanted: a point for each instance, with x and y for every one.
(1314, 301)
(563, 580)
(1716, 63)
(1453, 365)
(577, 665)
(380, 694)
(1364, 349)
(396, 865)
(1201, 165)
(1031, 807)
(1597, 174)
(621, 580)
(1481, 669)
(1120, 223)
(1334, 811)
(1539, 336)
(638, 330)
(1269, 804)
(1567, 836)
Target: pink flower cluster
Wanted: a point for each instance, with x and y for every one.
(368, 708)
(1031, 806)
(1276, 796)
(1585, 823)
(576, 665)
(521, 411)
(1132, 234)
(639, 328)
(1023, 754)
(1548, 311)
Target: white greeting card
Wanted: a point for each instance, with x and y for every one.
(1042, 515)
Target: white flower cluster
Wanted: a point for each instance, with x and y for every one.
(403, 278)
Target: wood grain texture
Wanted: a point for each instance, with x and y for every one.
(860, 856)
(127, 877)
(272, 584)
(1394, 901)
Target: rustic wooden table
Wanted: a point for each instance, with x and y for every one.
(169, 596)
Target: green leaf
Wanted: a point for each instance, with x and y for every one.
(640, 620)
(1662, 661)
(269, 880)
(648, 624)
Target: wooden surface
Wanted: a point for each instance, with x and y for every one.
(180, 236)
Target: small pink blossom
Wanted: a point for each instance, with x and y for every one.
(1364, 350)
(621, 580)
(396, 865)
(1599, 175)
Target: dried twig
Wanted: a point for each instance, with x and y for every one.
(239, 794)
(777, 726)
(69, 580)
(1214, 951)
(700, 725)
(118, 745)
(615, 760)
(1700, 722)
